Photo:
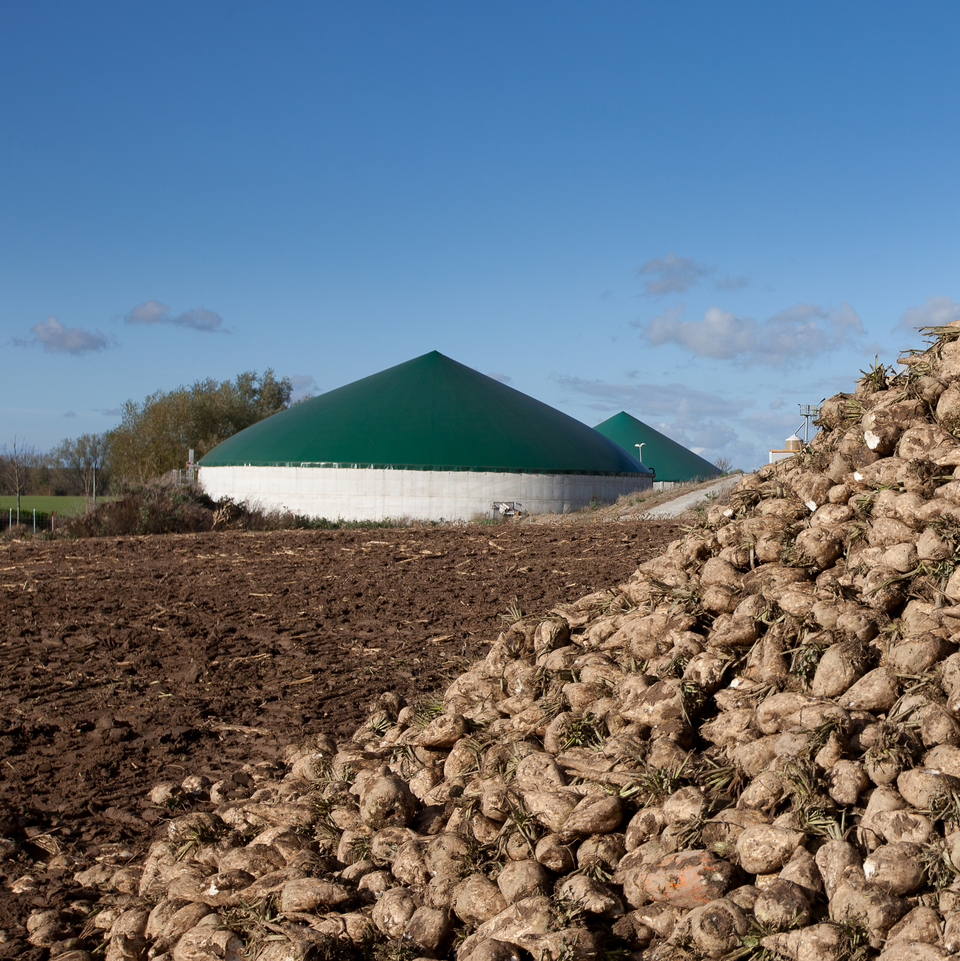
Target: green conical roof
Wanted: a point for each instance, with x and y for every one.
(670, 460)
(430, 413)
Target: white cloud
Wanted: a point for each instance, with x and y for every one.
(57, 339)
(304, 387)
(665, 321)
(934, 312)
(705, 435)
(672, 274)
(801, 331)
(774, 425)
(685, 404)
(713, 425)
(199, 318)
(696, 419)
(732, 283)
(196, 318)
(149, 312)
(503, 378)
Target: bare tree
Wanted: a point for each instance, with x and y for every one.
(82, 461)
(15, 465)
(723, 464)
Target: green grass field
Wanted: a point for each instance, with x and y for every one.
(64, 506)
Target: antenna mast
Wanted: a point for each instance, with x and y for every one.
(807, 412)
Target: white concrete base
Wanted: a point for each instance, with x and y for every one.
(371, 494)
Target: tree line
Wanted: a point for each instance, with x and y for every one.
(154, 436)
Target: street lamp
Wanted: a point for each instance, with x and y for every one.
(640, 451)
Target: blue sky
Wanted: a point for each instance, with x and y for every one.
(704, 214)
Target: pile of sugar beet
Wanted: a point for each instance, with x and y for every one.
(749, 750)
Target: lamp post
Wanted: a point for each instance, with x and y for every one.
(640, 451)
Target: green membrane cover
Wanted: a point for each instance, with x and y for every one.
(429, 413)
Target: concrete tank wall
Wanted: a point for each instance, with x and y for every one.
(370, 494)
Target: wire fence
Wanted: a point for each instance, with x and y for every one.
(31, 521)
(180, 478)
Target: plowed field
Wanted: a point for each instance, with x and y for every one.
(127, 661)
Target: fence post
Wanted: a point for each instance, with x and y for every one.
(34, 520)
(53, 522)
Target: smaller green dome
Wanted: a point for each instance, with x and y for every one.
(671, 461)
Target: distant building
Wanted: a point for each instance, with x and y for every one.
(793, 445)
(425, 440)
(671, 462)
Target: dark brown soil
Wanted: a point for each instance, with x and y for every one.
(128, 661)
